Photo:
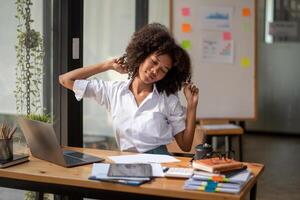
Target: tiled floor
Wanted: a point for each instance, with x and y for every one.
(280, 180)
(281, 157)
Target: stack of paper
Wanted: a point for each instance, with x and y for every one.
(218, 183)
(100, 170)
(143, 158)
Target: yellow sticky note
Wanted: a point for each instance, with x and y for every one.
(186, 44)
(245, 62)
(186, 28)
(246, 12)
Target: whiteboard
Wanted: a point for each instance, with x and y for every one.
(220, 39)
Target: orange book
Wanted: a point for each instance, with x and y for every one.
(217, 165)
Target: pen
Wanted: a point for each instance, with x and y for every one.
(165, 169)
(193, 158)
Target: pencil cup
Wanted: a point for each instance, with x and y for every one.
(6, 149)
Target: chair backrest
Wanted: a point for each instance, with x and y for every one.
(198, 139)
(214, 121)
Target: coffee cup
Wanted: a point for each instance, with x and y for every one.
(203, 151)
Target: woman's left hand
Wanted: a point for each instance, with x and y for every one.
(191, 93)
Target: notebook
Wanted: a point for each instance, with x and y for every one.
(217, 165)
(42, 142)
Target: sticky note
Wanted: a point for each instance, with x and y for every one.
(246, 12)
(246, 27)
(186, 28)
(217, 178)
(208, 189)
(185, 11)
(186, 44)
(245, 62)
(226, 36)
(212, 184)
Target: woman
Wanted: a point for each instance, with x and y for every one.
(145, 109)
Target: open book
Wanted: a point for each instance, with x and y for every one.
(217, 165)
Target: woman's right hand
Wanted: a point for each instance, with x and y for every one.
(117, 64)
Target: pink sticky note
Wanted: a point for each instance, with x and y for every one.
(226, 36)
(185, 11)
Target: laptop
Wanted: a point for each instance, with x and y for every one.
(43, 144)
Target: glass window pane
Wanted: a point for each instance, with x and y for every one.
(8, 40)
(108, 26)
(8, 63)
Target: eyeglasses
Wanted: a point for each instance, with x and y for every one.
(223, 155)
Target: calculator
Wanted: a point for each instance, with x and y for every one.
(179, 172)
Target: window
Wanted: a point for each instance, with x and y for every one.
(108, 26)
(282, 21)
(41, 12)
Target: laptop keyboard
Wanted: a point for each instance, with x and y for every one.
(76, 154)
(72, 160)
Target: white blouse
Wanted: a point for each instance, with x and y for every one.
(138, 128)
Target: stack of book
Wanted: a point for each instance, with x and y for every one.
(218, 175)
(229, 183)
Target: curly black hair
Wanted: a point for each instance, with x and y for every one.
(155, 38)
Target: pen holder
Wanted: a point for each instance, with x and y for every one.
(6, 149)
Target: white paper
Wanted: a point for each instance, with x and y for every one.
(220, 126)
(215, 49)
(143, 158)
(216, 18)
(100, 171)
(157, 170)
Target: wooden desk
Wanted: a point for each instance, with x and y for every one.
(42, 176)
